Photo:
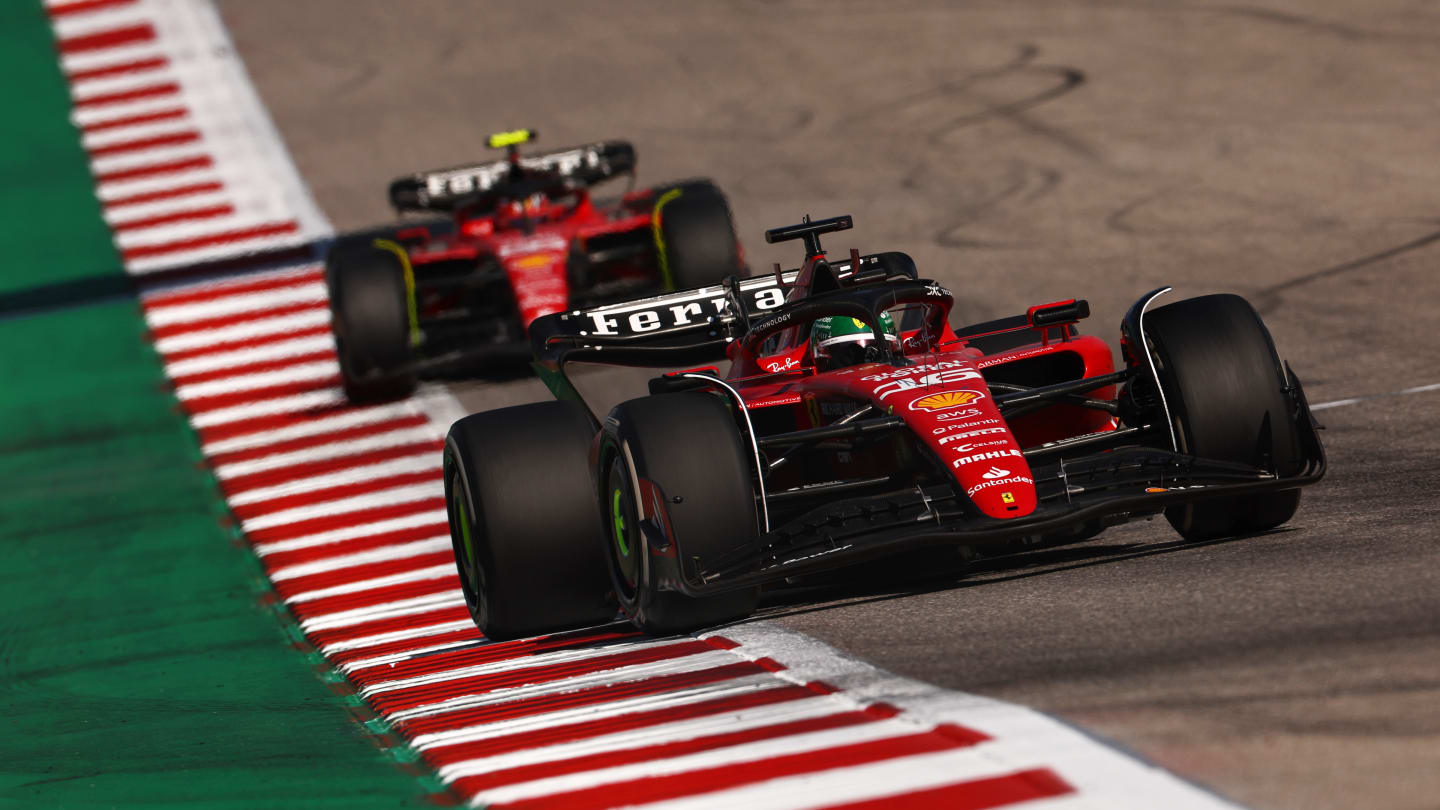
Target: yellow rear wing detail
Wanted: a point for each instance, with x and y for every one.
(514, 137)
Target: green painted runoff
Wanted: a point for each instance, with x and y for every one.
(139, 663)
(50, 225)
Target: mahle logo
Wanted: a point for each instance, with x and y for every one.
(946, 400)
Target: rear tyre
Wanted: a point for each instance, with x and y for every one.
(695, 236)
(1225, 384)
(523, 520)
(370, 313)
(683, 453)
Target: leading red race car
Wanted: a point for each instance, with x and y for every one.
(856, 422)
(523, 238)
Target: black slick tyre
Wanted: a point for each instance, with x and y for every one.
(1224, 384)
(695, 241)
(524, 522)
(675, 460)
(370, 313)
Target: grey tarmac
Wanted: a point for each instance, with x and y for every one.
(1026, 152)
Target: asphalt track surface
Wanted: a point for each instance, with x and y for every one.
(1022, 153)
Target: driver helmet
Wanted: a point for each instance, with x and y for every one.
(840, 341)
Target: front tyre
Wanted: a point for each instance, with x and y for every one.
(523, 520)
(676, 461)
(370, 313)
(1225, 386)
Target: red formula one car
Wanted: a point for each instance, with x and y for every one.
(523, 238)
(856, 422)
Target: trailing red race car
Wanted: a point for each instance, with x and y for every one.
(523, 239)
(856, 422)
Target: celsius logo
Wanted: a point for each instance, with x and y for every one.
(993, 473)
(984, 457)
(945, 401)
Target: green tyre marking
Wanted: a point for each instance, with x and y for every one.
(666, 275)
(412, 309)
(619, 518)
(459, 506)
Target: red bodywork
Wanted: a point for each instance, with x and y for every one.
(942, 395)
(533, 240)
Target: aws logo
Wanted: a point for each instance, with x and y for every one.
(946, 400)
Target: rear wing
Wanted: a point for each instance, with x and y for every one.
(442, 189)
(689, 326)
(686, 326)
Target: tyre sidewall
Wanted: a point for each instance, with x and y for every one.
(1223, 382)
(369, 306)
(525, 479)
(649, 438)
(696, 244)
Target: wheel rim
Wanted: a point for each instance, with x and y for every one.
(623, 529)
(462, 538)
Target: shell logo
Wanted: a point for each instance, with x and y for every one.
(535, 261)
(945, 401)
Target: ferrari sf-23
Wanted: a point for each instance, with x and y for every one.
(519, 238)
(855, 422)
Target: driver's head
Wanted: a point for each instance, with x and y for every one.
(840, 341)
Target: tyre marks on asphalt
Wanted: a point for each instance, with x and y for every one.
(187, 165)
(344, 506)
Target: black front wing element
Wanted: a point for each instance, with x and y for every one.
(1106, 488)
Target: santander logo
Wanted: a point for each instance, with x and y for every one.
(993, 473)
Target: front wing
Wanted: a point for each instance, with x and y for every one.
(1105, 488)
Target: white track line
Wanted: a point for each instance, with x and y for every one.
(529, 663)
(416, 463)
(634, 672)
(299, 372)
(1340, 403)
(873, 780)
(260, 327)
(336, 537)
(396, 658)
(733, 756)
(734, 687)
(435, 572)
(310, 400)
(417, 632)
(385, 497)
(399, 551)
(389, 610)
(258, 354)
(300, 292)
(325, 452)
(344, 420)
(689, 729)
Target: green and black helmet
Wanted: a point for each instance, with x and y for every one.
(840, 341)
